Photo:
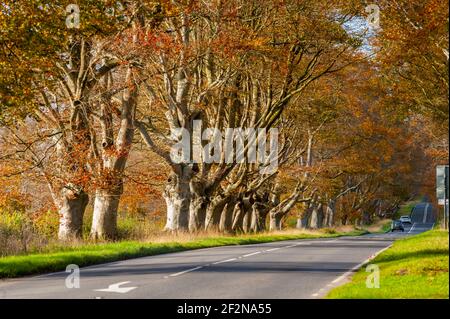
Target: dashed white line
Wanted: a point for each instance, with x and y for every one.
(329, 241)
(233, 259)
(252, 254)
(412, 227)
(185, 271)
(224, 261)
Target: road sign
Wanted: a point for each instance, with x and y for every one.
(441, 181)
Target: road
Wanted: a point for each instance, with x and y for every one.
(285, 269)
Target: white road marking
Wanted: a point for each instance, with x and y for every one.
(412, 227)
(426, 213)
(252, 254)
(298, 244)
(348, 273)
(329, 241)
(116, 288)
(224, 261)
(185, 271)
(240, 257)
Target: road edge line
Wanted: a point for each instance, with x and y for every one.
(345, 275)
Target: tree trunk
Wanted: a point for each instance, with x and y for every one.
(198, 205)
(262, 220)
(275, 221)
(197, 213)
(226, 218)
(246, 221)
(177, 196)
(331, 207)
(303, 219)
(254, 218)
(366, 218)
(258, 218)
(213, 213)
(71, 211)
(104, 220)
(316, 217)
(238, 217)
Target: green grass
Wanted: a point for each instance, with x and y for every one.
(415, 267)
(83, 255)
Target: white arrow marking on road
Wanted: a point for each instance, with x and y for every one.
(116, 288)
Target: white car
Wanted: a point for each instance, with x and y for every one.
(406, 220)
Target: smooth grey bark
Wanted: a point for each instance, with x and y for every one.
(104, 220)
(254, 218)
(316, 216)
(303, 219)
(330, 212)
(275, 221)
(72, 205)
(113, 163)
(246, 221)
(258, 217)
(178, 196)
(197, 213)
(213, 212)
(197, 205)
(238, 217)
(226, 218)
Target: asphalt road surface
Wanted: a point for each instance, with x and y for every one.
(285, 269)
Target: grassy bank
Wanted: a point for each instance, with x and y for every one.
(58, 257)
(415, 267)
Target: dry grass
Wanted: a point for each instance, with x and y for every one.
(378, 226)
(57, 257)
(163, 237)
(21, 236)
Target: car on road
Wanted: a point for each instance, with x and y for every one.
(406, 219)
(397, 225)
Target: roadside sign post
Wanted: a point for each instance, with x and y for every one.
(442, 189)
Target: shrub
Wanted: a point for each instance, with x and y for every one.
(46, 224)
(16, 232)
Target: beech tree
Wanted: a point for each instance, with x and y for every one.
(229, 80)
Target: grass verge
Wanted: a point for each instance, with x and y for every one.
(90, 254)
(413, 268)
